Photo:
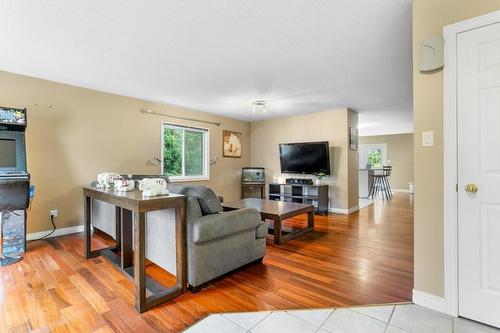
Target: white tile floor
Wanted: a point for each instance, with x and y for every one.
(373, 319)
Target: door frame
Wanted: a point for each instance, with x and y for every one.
(450, 158)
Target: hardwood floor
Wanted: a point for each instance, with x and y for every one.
(363, 258)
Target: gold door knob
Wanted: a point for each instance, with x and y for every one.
(471, 188)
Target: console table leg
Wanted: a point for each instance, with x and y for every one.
(139, 261)
(181, 251)
(87, 204)
(127, 258)
(118, 226)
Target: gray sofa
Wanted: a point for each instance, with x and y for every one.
(217, 242)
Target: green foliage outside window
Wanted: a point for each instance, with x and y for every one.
(375, 158)
(193, 153)
(173, 141)
(172, 150)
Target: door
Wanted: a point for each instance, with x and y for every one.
(478, 102)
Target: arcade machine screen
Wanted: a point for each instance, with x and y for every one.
(8, 153)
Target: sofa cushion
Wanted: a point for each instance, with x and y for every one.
(208, 200)
(193, 209)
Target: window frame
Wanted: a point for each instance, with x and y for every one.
(206, 152)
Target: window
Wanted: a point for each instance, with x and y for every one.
(375, 158)
(185, 152)
(375, 155)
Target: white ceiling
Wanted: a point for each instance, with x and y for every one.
(220, 55)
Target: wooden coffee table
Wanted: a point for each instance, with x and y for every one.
(277, 211)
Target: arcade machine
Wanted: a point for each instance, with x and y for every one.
(14, 185)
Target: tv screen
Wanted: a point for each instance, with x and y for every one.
(306, 157)
(12, 151)
(7, 153)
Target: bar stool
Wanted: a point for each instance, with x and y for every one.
(380, 183)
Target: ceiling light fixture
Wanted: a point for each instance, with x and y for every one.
(259, 104)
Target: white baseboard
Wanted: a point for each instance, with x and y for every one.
(429, 301)
(395, 190)
(58, 232)
(343, 211)
(353, 209)
(338, 210)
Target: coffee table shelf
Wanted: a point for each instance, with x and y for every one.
(277, 211)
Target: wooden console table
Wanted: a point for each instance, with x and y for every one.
(131, 209)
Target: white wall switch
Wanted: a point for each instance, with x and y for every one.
(428, 139)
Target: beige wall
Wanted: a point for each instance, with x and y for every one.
(400, 155)
(328, 126)
(75, 133)
(429, 17)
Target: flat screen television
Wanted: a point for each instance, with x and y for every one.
(305, 158)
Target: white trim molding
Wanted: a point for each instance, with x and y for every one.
(429, 301)
(450, 162)
(58, 232)
(397, 190)
(343, 211)
(338, 210)
(352, 209)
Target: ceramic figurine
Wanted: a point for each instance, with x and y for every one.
(151, 187)
(124, 184)
(106, 179)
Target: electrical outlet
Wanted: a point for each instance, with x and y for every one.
(53, 213)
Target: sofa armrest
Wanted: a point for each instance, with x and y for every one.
(213, 226)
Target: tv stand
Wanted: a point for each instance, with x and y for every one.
(316, 195)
